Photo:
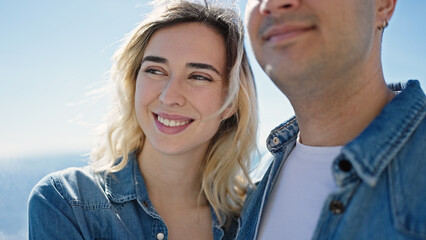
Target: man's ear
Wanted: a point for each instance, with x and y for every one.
(384, 12)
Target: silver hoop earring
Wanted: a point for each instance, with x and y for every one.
(384, 25)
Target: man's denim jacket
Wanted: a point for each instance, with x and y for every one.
(381, 176)
(77, 204)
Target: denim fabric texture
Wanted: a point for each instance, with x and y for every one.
(78, 204)
(381, 176)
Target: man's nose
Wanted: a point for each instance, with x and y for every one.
(271, 7)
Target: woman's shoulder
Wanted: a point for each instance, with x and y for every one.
(74, 185)
(59, 202)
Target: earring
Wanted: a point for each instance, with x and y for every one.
(384, 25)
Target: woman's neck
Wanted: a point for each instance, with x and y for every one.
(174, 188)
(172, 179)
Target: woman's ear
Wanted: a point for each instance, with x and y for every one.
(229, 111)
(384, 12)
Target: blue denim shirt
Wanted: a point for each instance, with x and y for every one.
(77, 204)
(381, 176)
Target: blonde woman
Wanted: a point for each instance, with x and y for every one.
(173, 160)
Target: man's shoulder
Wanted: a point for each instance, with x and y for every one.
(414, 127)
(412, 155)
(408, 183)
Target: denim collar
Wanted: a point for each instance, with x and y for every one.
(283, 135)
(381, 141)
(378, 144)
(128, 184)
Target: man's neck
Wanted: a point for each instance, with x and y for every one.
(339, 113)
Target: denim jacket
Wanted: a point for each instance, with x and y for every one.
(78, 204)
(381, 176)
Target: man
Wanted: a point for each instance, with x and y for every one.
(352, 163)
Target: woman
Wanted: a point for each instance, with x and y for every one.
(173, 161)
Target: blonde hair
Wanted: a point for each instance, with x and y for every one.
(227, 162)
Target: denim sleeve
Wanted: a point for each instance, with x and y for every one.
(49, 213)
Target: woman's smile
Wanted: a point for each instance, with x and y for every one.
(171, 124)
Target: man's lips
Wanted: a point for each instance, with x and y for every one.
(283, 32)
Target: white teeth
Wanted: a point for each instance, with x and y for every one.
(171, 123)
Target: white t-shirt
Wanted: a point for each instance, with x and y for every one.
(298, 197)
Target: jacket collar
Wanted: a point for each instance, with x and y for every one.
(378, 144)
(381, 141)
(283, 135)
(126, 184)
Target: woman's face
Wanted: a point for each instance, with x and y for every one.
(179, 87)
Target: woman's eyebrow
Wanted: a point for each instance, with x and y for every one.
(202, 66)
(158, 59)
(154, 59)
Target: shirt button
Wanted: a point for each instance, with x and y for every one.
(345, 165)
(160, 236)
(336, 207)
(276, 140)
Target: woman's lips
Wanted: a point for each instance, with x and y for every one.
(171, 124)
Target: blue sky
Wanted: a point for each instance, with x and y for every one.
(55, 54)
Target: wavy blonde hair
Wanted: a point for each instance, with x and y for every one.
(228, 159)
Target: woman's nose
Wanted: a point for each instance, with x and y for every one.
(173, 93)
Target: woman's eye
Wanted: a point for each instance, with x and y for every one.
(153, 71)
(200, 77)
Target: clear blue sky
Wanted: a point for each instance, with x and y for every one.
(54, 53)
